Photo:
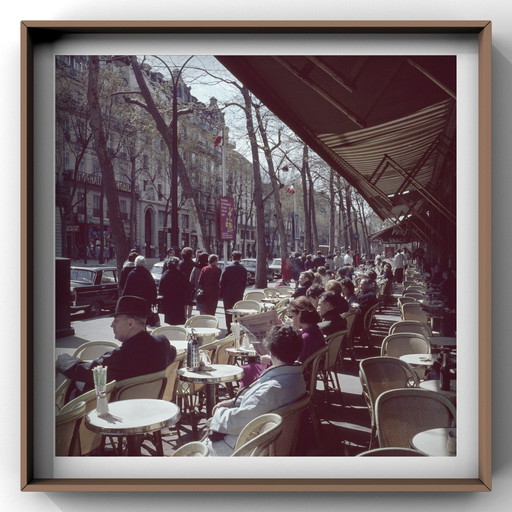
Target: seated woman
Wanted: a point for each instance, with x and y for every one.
(306, 279)
(336, 287)
(330, 307)
(279, 385)
(313, 293)
(305, 318)
(348, 291)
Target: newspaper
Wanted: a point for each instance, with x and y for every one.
(257, 326)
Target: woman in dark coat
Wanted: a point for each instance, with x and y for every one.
(202, 261)
(208, 281)
(140, 282)
(186, 266)
(176, 291)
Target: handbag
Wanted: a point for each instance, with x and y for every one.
(199, 295)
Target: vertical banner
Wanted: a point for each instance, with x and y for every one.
(226, 218)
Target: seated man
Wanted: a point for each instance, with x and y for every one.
(140, 353)
(365, 300)
(279, 385)
(330, 307)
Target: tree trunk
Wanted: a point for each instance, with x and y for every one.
(275, 186)
(133, 202)
(261, 249)
(332, 213)
(105, 162)
(305, 199)
(348, 211)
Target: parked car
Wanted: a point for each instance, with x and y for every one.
(93, 289)
(275, 266)
(250, 265)
(156, 272)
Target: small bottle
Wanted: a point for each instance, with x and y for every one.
(445, 374)
(235, 329)
(193, 362)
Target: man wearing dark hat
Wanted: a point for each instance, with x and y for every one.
(140, 353)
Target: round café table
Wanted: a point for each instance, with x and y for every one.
(180, 345)
(241, 312)
(443, 342)
(419, 359)
(434, 442)
(241, 354)
(435, 385)
(133, 419)
(211, 375)
(204, 334)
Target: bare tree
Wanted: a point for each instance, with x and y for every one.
(105, 161)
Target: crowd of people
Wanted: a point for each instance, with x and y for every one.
(326, 290)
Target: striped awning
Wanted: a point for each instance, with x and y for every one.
(385, 123)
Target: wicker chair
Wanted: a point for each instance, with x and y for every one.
(367, 323)
(401, 413)
(391, 452)
(415, 295)
(255, 295)
(379, 374)
(399, 344)
(285, 290)
(271, 293)
(283, 303)
(415, 288)
(329, 375)
(258, 436)
(192, 449)
(310, 370)
(291, 415)
(94, 349)
(89, 440)
(203, 321)
(404, 300)
(221, 356)
(348, 345)
(248, 304)
(67, 428)
(172, 332)
(413, 311)
(414, 326)
(151, 385)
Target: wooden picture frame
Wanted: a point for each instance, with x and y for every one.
(35, 33)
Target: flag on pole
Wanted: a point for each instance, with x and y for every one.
(218, 141)
(291, 189)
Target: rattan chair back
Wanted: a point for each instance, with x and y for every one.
(402, 413)
(399, 344)
(67, 428)
(258, 436)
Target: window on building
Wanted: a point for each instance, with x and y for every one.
(96, 205)
(123, 205)
(185, 221)
(144, 185)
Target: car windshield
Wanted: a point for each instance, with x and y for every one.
(83, 276)
(157, 269)
(248, 263)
